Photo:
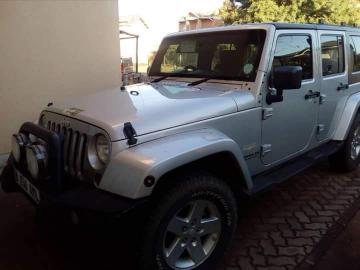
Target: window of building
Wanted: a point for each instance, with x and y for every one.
(332, 54)
(295, 50)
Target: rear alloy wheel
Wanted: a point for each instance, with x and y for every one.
(347, 158)
(355, 144)
(191, 226)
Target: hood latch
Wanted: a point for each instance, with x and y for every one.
(130, 133)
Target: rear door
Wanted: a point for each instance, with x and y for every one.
(334, 79)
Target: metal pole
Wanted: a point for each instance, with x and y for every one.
(137, 54)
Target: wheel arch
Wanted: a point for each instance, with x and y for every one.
(222, 164)
(161, 158)
(351, 110)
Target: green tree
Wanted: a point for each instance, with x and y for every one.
(229, 12)
(301, 11)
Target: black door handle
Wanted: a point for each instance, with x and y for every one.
(343, 86)
(312, 94)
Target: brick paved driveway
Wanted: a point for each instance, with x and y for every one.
(277, 231)
(283, 225)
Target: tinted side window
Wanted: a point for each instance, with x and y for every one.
(332, 54)
(295, 50)
(355, 48)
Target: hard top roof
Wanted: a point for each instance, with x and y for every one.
(308, 26)
(317, 26)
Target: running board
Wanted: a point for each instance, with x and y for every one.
(283, 172)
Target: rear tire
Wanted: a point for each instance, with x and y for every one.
(191, 224)
(347, 158)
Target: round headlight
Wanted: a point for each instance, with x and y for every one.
(18, 143)
(99, 152)
(102, 148)
(36, 158)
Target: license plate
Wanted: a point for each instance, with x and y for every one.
(27, 186)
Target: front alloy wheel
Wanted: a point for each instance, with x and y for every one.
(192, 234)
(191, 224)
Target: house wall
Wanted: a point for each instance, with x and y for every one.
(50, 50)
(192, 24)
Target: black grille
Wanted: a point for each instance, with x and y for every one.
(74, 149)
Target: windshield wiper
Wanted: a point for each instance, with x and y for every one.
(199, 82)
(159, 79)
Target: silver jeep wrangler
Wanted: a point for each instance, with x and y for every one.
(229, 111)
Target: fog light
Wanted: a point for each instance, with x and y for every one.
(36, 158)
(18, 143)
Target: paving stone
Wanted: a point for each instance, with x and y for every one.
(308, 233)
(315, 205)
(259, 235)
(308, 249)
(340, 202)
(291, 251)
(328, 213)
(268, 247)
(286, 231)
(309, 211)
(300, 242)
(265, 227)
(302, 217)
(272, 268)
(334, 207)
(322, 219)
(275, 220)
(277, 238)
(245, 263)
(282, 260)
(315, 226)
(257, 257)
(294, 224)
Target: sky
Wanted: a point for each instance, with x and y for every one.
(162, 17)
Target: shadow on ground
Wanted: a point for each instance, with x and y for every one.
(279, 229)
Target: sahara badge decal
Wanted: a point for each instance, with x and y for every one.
(72, 111)
(250, 151)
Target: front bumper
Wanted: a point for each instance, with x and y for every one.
(54, 191)
(80, 198)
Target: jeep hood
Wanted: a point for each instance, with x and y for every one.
(152, 107)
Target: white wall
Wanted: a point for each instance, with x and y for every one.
(53, 49)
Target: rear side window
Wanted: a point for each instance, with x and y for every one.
(332, 54)
(355, 49)
(295, 50)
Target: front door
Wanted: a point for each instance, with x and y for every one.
(334, 81)
(291, 128)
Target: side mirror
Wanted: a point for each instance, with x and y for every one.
(284, 78)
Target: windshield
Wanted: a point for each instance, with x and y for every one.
(231, 55)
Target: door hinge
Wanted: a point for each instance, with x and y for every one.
(320, 128)
(267, 113)
(265, 149)
(322, 98)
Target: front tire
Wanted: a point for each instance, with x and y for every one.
(190, 226)
(347, 158)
